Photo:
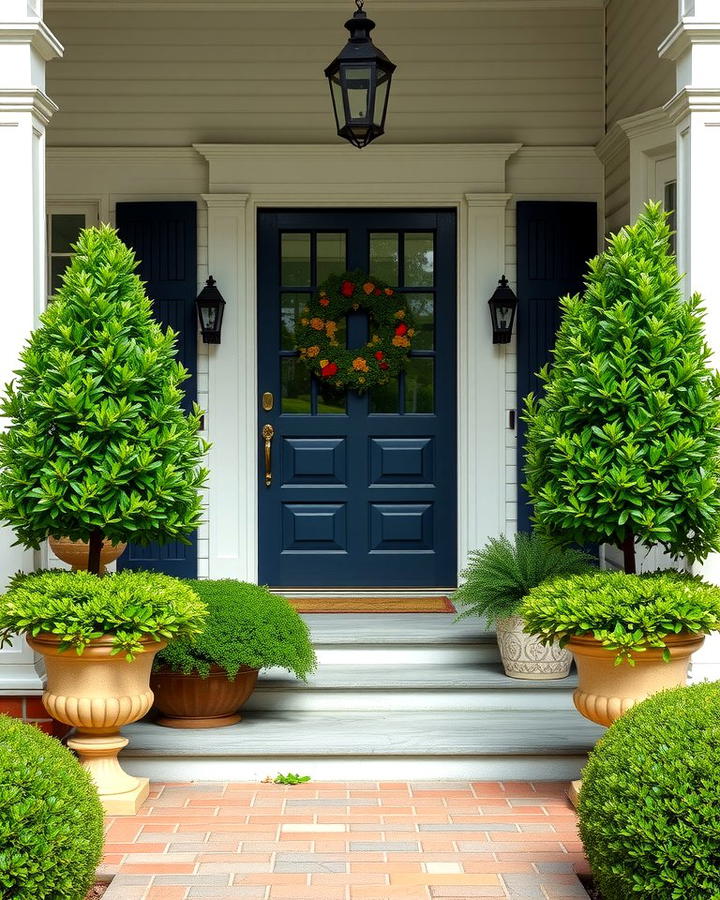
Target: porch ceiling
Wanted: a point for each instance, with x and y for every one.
(330, 5)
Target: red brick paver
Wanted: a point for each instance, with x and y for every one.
(347, 841)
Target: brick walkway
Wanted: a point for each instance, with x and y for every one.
(349, 841)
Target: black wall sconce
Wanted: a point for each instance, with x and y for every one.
(503, 306)
(210, 306)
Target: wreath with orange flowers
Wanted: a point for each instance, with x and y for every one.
(392, 328)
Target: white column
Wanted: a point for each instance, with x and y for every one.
(232, 413)
(694, 46)
(26, 45)
(481, 425)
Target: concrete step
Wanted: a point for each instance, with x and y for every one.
(461, 686)
(358, 745)
(400, 639)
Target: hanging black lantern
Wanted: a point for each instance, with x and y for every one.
(210, 306)
(360, 80)
(503, 305)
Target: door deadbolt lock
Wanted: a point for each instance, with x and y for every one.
(268, 401)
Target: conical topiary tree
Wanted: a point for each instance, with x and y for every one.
(98, 445)
(624, 444)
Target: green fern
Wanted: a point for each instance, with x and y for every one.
(503, 572)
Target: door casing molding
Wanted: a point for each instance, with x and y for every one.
(246, 178)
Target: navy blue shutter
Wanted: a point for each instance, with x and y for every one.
(164, 238)
(554, 242)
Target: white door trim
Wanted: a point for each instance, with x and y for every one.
(246, 178)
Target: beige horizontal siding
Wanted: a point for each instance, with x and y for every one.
(637, 81)
(144, 79)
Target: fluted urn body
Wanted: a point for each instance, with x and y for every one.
(524, 656)
(606, 691)
(98, 693)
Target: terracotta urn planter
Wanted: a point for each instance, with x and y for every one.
(75, 553)
(189, 701)
(523, 656)
(606, 691)
(97, 694)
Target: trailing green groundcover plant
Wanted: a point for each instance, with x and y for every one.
(98, 445)
(79, 607)
(650, 796)
(51, 820)
(501, 574)
(623, 445)
(247, 626)
(627, 613)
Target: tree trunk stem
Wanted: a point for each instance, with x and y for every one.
(96, 544)
(628, 549)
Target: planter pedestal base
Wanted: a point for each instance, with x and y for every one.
(208, 722)
(120, 794)
(574, 792)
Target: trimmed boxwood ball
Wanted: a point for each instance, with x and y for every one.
(51, 820)
(649, 801)
(247, 625)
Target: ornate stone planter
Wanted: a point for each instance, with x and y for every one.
(189, 701)
(523, 656)
(97, 694)
(75, 553)
(606, 691)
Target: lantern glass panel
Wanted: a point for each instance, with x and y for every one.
(381, 98)
(209, 315)
(337, 99)
(357, 83)
(503, 317)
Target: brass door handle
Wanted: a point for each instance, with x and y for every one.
(268, 434)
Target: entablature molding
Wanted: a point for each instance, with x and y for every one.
(692, 100)
(687, 32)
(317, 5)
(27, 100)
(32, 31)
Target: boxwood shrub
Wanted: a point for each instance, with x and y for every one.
(650, 797)
(51, 820)
(247, 625)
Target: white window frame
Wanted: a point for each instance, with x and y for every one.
(73, 208)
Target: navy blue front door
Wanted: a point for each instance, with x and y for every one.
(363, 490)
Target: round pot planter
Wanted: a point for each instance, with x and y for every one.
(606, 691)
(98, 693)
(75, 553)
(189, 701)
(523, 656)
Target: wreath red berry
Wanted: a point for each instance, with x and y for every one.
(392, 328)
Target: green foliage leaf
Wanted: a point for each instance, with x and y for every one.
(291, 778)
(97, 438)
(503, 572)
(627, 613)
(51, 820)
(246, 626)
(80, 607)
(625, 439)
(648, 804)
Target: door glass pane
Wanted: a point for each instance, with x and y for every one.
(423, 308)
(295, 263)
(58, 264)
(330, 256)
(385, 398)
(419, 386)
(64, 231)
(331, 400)
(384, 257)
(419, 260)
(295, 387)
(291, 310)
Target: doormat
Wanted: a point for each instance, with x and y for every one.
(372, 604)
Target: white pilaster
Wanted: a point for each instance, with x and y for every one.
(481, 428)
(694, 46)
(232, 416)
(26, 45)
